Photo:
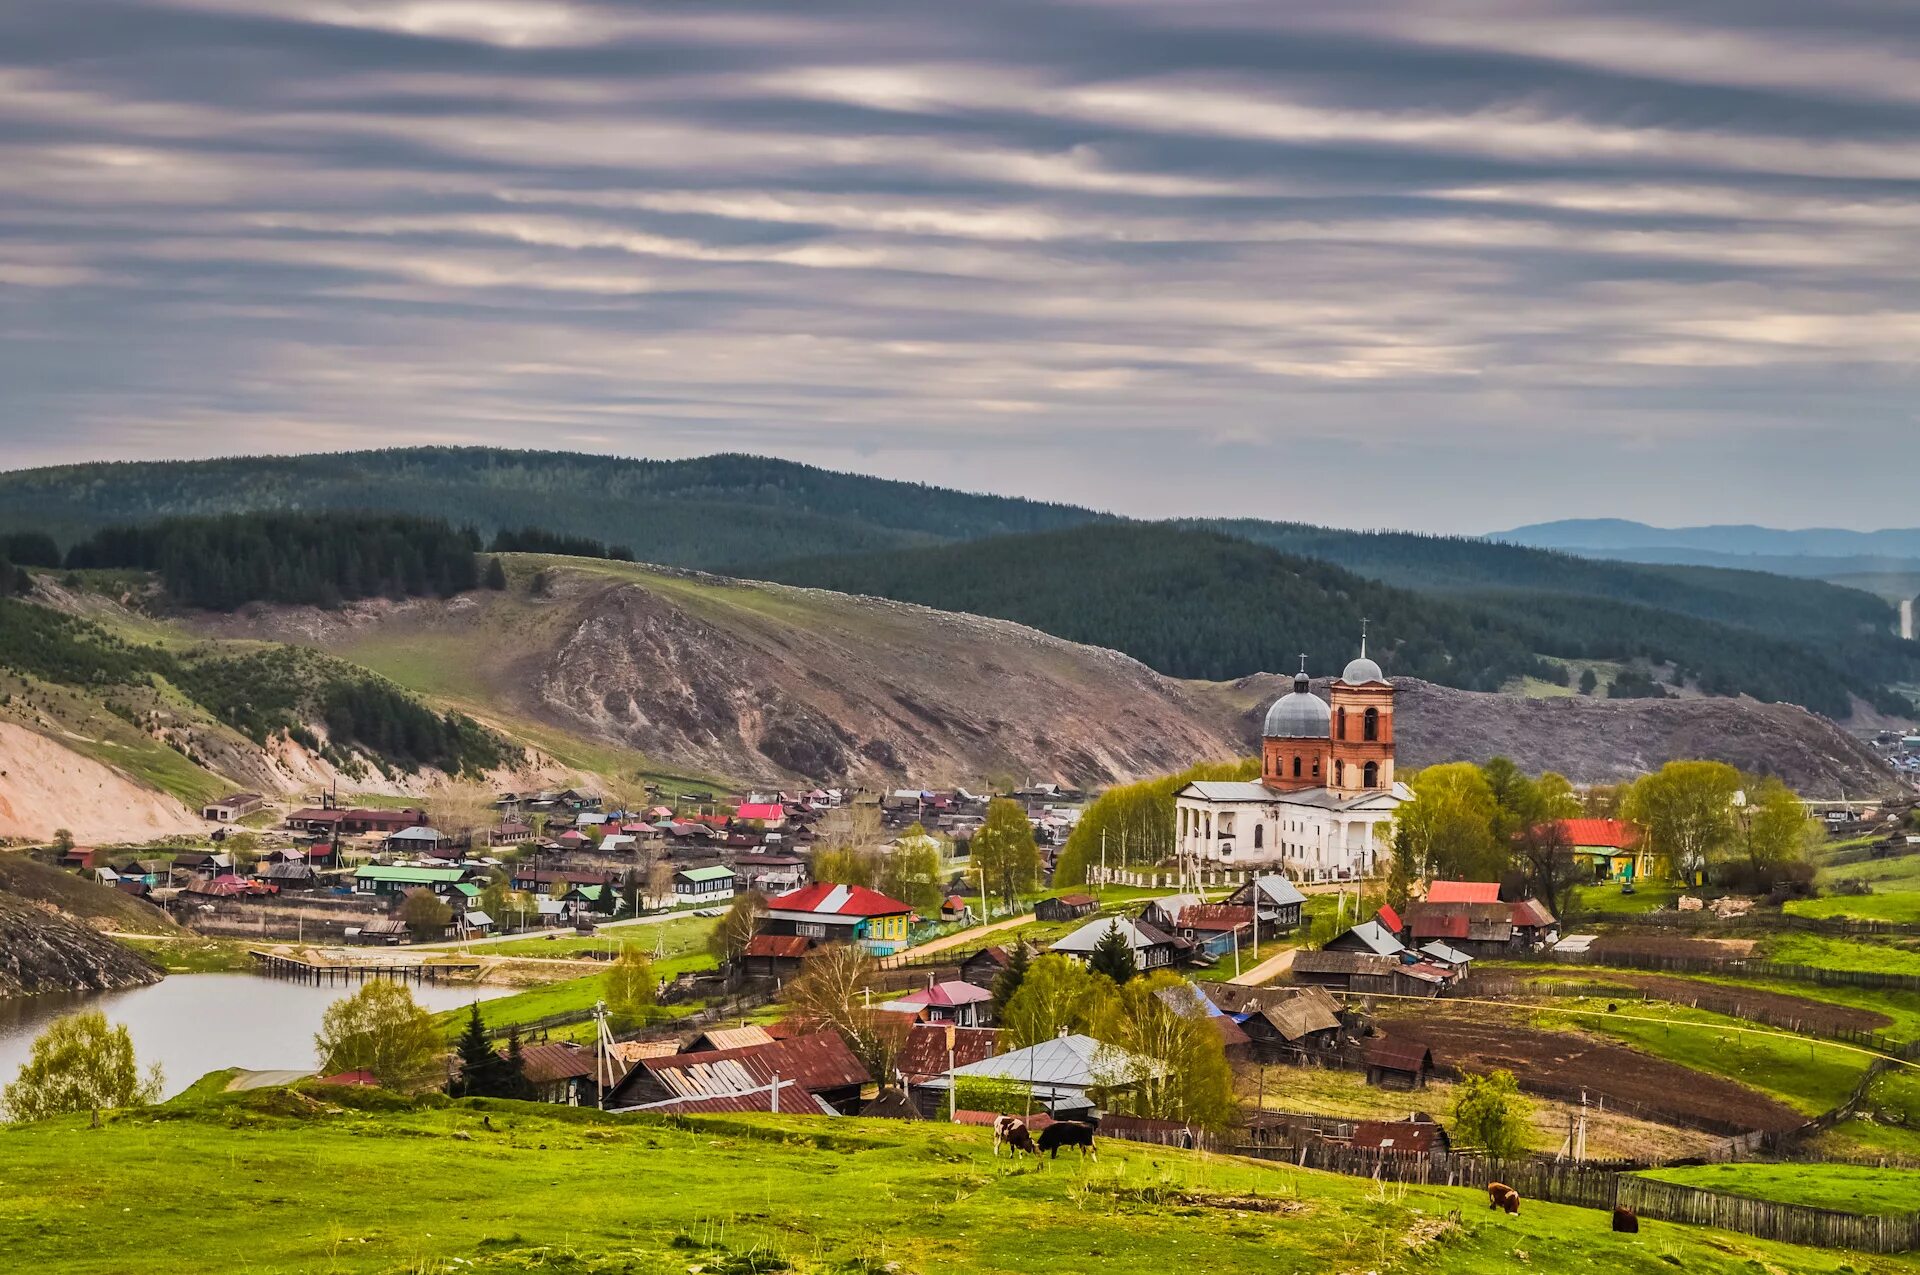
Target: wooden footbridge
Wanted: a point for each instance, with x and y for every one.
(313, 968)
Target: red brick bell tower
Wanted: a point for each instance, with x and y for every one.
(1361, 738)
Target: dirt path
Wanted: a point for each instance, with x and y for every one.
(955, 940)
(1266, 971)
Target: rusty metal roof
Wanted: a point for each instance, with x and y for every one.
(816, 1062)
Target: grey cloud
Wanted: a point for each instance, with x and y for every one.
(1160, 254)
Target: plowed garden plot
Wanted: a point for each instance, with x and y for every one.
(1671, 945)
(1562, 1064)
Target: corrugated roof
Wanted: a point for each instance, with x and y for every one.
(778, 946)
(1609, 834)
(926, 1051)
(717, 872)
(1397, 1054)
(820, 1061)
(731, 1038)
(829, 899)
(1071, 1062)
(548, 1061)
(794, 1100)
(1531, 912)
(1366, 963)
(1216, 917)
(1370, 935)
(948, 995)
(1138, 934)
(1463, 892)
(1411, 1137)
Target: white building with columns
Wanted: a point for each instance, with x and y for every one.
(1324, 804)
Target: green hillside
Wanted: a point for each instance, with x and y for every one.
(327, 1180)
(711, 512)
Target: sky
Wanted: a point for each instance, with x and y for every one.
(1368, 263)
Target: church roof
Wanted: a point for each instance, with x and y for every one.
(1228, 791)
(1361, 671)
(1299, 714)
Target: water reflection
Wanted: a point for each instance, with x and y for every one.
(192, 1024)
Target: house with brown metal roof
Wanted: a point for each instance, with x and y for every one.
(1394, 1062)
(1418, 1135)
(933, 1049)
(820, 1063)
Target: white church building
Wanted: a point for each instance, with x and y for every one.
(1326, 797)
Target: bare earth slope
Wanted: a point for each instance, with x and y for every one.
(1602, 741)
(763, 682)
(45, 785)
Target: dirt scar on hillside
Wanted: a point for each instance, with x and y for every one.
(47, 785)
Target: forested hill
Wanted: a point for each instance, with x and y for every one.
(1187, 603)
(1197, 603)
(712, 512)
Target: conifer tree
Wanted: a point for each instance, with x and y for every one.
(513, 1071)
(1113, 957)
(480, 1067)
(1010, 978)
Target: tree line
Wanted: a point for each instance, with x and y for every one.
(1134, 823)
(320, 559)
(535, 540)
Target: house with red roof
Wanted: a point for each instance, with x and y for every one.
(1614, 848)
(768, 813)
(828, 912)
(1463, 892)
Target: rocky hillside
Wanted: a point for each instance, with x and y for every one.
(42, 950)
(1602, 740)
(766, 682)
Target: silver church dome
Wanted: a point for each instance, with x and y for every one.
(1299, 714)
(1362, 671)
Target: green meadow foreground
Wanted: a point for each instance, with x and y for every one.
(283, 1181)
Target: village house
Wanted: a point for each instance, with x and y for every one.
(712, 884)
(1214, 928)
(1369, 972)
(1418, 1136)
(1152, 948)
(352, 823)
(820, 1065)
(233, 807)
(961, 1004)
(744, 1036)
(983, 968)
(373, 878)
(1163, 913)
(1613, 850)
(934, 1049)
(1283, 1024)
(774, 955)
(416, 840)
(830, 913)
(1069, 1076)
(1394, 1062)
(1274, 899)
(1065, 907)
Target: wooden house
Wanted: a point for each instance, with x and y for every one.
(983, 968)
(820, 1064)
(1274, 899)
(1066, 907)
(1394, 1062)
(1152, 948)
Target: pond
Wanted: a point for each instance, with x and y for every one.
(192, 1024)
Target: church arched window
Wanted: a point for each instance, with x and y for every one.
(1296, 765)
(1339, 774)
(1370, 728)
(1340, 722)
(1259, 835)
(1371, 774)
(1316, 768)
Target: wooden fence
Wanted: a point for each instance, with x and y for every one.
(1585, 1186)
(1817, 975)
(1711, 997)
(1768, 919)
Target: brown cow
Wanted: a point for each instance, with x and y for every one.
(1626, 1220)
(1502, 1196)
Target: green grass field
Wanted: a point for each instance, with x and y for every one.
(1808, 1075)
(385, 1187)
(1603, 899)
(1881, 905)
(1886, 956)
(194, 955)
(1845, 1187)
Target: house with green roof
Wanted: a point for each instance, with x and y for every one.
(373, 878)
(712, 884)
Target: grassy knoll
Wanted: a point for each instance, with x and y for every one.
(1809, 1075)
(1902, 905)
(23, 875)
(1886, 956)
(192, 954)
(572, 996)
(322, 1188)
(1845, 1187)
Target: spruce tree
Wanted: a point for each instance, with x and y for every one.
(1010, 978)
(513, 1071)
(1113, 957)
(496, 575)
(480, 1067)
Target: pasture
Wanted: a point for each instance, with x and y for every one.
(332, 1183)
(1845, 1188)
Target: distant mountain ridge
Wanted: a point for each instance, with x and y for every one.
(1811, 551)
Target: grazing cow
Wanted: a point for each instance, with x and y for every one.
(1626, 1220)
(1067, 1133)
(1011, 1131)
(1502, 1196)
